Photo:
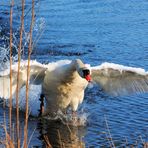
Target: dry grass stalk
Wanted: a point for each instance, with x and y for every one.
(145, 145)
(112, 143)
(28, 73)
(5, 129)
(126, 141)
(69, 129)
(18, 75)
(108, 140)
(31, 137)
(3, 93)
(48, 145)
(11, 38)
(12, 133)
(8, 141)
(60, 141)
(141, 139)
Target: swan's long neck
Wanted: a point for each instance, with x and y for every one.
(78, 64)
(70, 72)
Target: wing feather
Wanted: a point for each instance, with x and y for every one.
(120, 80)
(37, 74)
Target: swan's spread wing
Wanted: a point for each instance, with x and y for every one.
(37, 73)
(120, 80)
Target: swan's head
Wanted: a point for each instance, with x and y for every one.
(82, 69)
(85, 73)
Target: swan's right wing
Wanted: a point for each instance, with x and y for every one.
(120, 80)
(5, 86)
(37, 74)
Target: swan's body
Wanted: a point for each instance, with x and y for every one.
(63, 84)
(64, 87)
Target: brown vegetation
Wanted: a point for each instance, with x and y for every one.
(9, 141)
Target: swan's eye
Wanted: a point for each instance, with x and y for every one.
(86, 72)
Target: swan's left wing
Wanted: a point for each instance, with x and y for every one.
(37, 74)
(120, 80)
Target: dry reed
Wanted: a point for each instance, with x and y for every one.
(59, 136)
(18, 75)
(9, 141)
(11, 40)
(112, 145)
(48, 145)
(28, 73)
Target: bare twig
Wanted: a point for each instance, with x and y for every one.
(108, 140)
(28, 73)
(48, 145)
(109, 133)
(126, 141)
(141, 139)
(31, 136)
(8, 141)
(18, 74)
(5, 129)
(11, 38)
(3, 93)
(59, 138)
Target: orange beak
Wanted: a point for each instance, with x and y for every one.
(88, 78)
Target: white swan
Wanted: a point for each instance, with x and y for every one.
(63, 83)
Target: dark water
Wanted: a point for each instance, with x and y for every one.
(95, 31)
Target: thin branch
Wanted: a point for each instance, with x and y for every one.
(18, 75)
(31, 136)
(28, 74)
(48, 145)
(141, 139)
(11, 38)
(109, 133)
(60, 141)
(5, 129)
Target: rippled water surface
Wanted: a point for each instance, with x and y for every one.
(95, 31)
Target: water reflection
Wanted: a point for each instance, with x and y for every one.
(60, 135)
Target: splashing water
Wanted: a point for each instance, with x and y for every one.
(80, 119)
(68, 119)
(38, 29)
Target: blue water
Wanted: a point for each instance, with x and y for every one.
(95, 31)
